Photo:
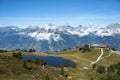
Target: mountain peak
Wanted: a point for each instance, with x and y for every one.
(114, 26)
(66, 25)
(49, 26)
(32, 27)
(80, 26)
(11, 27)
(51, 38)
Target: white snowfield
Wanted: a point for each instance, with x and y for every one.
(50, 31)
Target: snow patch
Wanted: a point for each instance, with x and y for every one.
(49, 31)
(45, 36)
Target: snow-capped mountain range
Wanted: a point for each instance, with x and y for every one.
(54, 38)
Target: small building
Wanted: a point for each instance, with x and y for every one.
(82, 45)
(100, 45)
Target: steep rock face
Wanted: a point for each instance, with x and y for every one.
(55, 38)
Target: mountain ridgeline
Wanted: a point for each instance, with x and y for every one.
(51, 38)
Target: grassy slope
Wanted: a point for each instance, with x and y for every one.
(84, 59)
(80, 59)
(12, 69)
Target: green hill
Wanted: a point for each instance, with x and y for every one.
(84, 70)
(12, 68)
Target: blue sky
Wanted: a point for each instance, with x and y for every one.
(74, 12)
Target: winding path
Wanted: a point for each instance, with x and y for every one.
(106, 56)
(98, 57)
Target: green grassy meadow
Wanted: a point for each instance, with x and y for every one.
(11, 68)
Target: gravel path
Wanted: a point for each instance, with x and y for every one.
(98, 57)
